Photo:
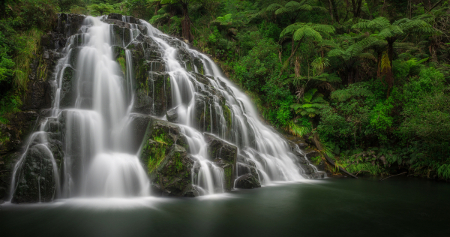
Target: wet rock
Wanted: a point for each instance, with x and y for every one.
(224, 155)
(36, 180)
(158, 139)
(68, 93)
(38, 96)
(247, 181)
(160, 91)
(115, 16)
(307, 169)
(191, 191)
(139, 128)
(172, 114)
(118, 23)
(142, 102)
(311, 154)
(218, 148)
(173, 172)
(69, 24)
(157, 66)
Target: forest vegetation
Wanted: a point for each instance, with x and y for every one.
(366, 80)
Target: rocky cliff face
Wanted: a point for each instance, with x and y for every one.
(38, 98)
(163, 148)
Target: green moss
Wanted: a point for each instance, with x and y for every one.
(25, 56)
(122, 63)
(228, 170)
(157, 152)
(227, 115)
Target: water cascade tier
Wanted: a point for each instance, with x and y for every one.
(136, 113)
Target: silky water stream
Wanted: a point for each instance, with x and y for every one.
(85, 147)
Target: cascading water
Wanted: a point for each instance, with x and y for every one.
(87, 148)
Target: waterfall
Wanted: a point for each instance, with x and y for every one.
(87, 146)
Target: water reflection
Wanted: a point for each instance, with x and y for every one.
(332, 207)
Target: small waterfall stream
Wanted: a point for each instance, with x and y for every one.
(85, 147)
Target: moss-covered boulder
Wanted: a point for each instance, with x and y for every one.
(247, 181)
(224, 154)
(165, 155)
(172, 173)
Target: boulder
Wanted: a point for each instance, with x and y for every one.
(172, 114)
(224, 155)
(220, 149)
(36, 180)
(138, 127)
(247, 181)
(164, 153)
(172, 173)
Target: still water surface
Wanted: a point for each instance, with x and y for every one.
(331, 207)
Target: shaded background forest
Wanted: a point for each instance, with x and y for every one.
(366, 81)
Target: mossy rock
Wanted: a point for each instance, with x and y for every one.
(173, 173)
(158, 139)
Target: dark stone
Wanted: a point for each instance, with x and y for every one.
(307, 169)
(118, 23)
(224, 155)
(115, 16)
(247, 181)
(68, 93)
(69, 24)
(311, 154)
(160, 91)
(38, 96)
(172, 114)
(218, 148)
(139, 128)
(20, 125)
(173, 174)
(36, 181)
(142, 102)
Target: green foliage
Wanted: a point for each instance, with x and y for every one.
(311, 104)
(101, 9)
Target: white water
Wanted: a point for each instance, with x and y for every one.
(97, 160)
(275, 161)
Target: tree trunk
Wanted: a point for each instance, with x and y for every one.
(186, 24)
(157, 7)
(433, 51)
(336, 15)
(356, 4)
(379, 65)
(391, 49)
(2, 9)
(286, 63)
(297, 67)
(331, 11)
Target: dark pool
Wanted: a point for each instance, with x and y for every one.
(331, 207)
